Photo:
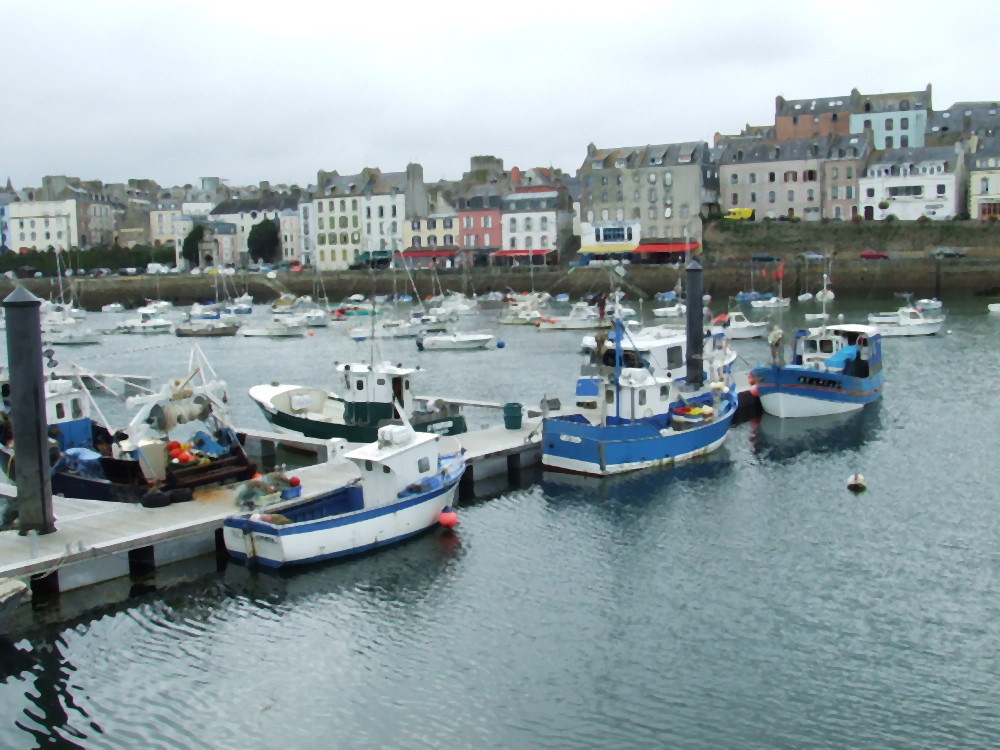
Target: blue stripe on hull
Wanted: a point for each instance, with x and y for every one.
(599, 451)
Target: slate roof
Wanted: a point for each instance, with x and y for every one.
(852, 146)
(891, 156)
(797, 149)
(982, 118)
(987, 147)
(791, 107)
(386, 182)
(270, 202)
(664, 154)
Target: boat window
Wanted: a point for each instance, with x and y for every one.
(60, 411)
(380, 381)
(361, 385)
(642, 397)
(809, 346)
(632, 360)
(368, 465)
(609, 396)
(77, 408)
(423, 465)
(385, 469)
(675, 357)
(826, 346)
(664, 392)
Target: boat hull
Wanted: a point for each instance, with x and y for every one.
(794, 391)
(575, 447)
(927, 328)
(336, 536)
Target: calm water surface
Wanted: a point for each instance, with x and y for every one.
(745, 601)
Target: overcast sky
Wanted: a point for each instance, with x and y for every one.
(252, 90)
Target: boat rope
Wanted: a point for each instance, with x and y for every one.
(104, 355)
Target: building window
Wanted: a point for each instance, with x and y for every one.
(837, 212)
(770, 197)
(416, 242)
(319, 222)
(834, 193)
(652, 196)
(888, 123)
(343, 205)
(393, 229)
(470, 240)
(527, 223)
(527, 243)
(940, 189)
(354, 204)
(888, 141)
(870, 192)
(545, 241)
(319, 206)
(368, 212)
(736, 198)
(850, 173)
(849, 192)
(770, 176)
(904, 141)
(543, 222)
(984, 185)
(415, 225)
(432, 240)
(791, 196)
(432, 223)
(668, 179)
(753, 178)
(810, 195)
(466, 222)
(446, 223)
(513, 242)
(619, 215)
(652, 212)
(734, 179)
(790, 176)
(684, 212)
(487, 222)
(513, 224)
(868, 125)
(604, 215)
(590, 216)
(753, 197)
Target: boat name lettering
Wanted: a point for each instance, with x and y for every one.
(821, 382)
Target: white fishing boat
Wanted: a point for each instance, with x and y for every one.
(154, 307)
(906, 321)
(930, 304)
(113, 307)
(738, 326)
(146, 323)
(770, 303)
(207, 328)
(993, 307)
(404, 482)
(581, 317)
(277, 328)
(673, 309)
(384, 329)
(454, 340)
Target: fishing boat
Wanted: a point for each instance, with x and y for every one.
(928, 304)
(460, 340)
(524, 309)
(374, 395)
(12, 591)
(581, 317)
(113, 307)
(906, 321)
(405, 481)
(738, 326)
(834, 369)
(179, 438)
(71, 337)
(147, 323)
(283, 305)
(384, 328)
(674, 309)
(639, 412)
(993, 307)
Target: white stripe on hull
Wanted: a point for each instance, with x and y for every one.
(790, 405)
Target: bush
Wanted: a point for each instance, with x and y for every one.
(883, 205)
(889, 217)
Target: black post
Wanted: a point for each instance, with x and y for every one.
(695, 332)
(27, 388)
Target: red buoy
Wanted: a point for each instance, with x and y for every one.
(753, 392)
(448, 517)
(294, 481)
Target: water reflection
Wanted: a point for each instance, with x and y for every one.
(781, 440)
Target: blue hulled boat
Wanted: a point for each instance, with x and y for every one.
(638, 411)
(834, 369)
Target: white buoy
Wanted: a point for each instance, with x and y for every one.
(856, 483)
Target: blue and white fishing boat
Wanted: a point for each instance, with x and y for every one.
(640, 411)
(834, 369)
(406, 480)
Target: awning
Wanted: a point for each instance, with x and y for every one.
(666, 247)
(533, 251)
(429, 253)
(611, 248)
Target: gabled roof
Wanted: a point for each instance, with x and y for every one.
(894, 102)
(852, 146)
(987, 147)
(897, 156)
(982, 118)
(386, 182)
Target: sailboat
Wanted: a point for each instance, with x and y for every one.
(772, 301)
(824, 295)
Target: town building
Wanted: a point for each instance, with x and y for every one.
(45, 225)
(896, 120)
(479, 222)
(337, 214)
(811, 118)
(384, 208)
(7, 196)
(775, 179)
(984, 180)
(910, 183)
(845, 162)
(162, 215)
(245, 214)
(656, 196)
(529, 226)
(290, 234)
(219, 244)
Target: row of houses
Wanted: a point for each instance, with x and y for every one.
(851, 157)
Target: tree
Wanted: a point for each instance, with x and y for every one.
(263, 241)
(190, 247)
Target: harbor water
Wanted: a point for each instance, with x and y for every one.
(747, 600)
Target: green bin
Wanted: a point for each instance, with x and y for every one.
(512, 416)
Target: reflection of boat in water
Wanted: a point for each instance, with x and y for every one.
(783, 439)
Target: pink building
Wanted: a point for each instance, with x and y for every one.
(480, 232)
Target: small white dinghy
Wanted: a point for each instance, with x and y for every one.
(456, 340)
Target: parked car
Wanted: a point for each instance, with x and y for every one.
(874, 255)
(765, 258)
(946, 252)
(811, 256)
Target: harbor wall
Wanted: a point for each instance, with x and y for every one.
(725, 255)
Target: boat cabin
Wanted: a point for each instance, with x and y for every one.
(854, 349)
(400, 460)
(371, 393)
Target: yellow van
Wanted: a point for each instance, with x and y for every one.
(740, 214)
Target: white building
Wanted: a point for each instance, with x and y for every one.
(40, 225)
(529, 223)
(912, 182)
(984, 180)
(245, 214)
(162, 214)
(288, 231)
(384, 209)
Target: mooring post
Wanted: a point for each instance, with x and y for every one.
(695, 332)
(27, 412)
